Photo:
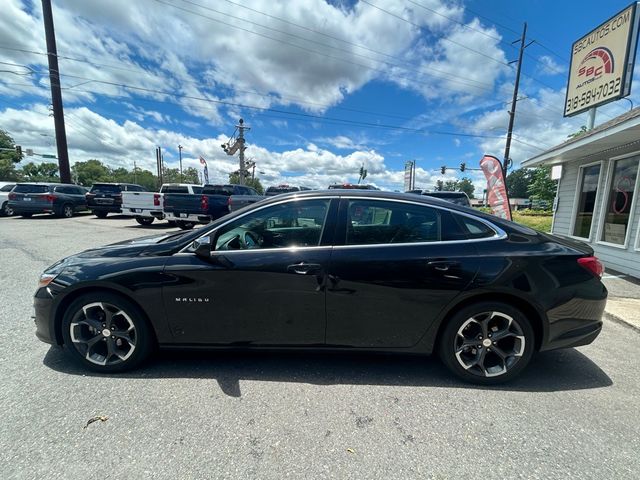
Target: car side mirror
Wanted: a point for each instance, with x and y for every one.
(202, 247)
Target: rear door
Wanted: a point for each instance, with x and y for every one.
(395, 266)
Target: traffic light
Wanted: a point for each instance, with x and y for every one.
(19, 151)
(463, 166)
(443, 169)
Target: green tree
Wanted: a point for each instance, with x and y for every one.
(6, 141)
(89, 172)
(190, 175)
(145, 179)
(466, 185)
(41, 172)
(248, 181)
(542, 187)
(8, 170)
(518, 182)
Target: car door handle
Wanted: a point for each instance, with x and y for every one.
(305, 268)
(442, 265)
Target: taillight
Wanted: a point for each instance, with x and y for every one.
(50, 198)
(204, 203)
(156, 200)
(12, 196)
(593, 265)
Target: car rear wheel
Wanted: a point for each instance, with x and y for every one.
(6, 210)
(100, 214)
(66, 211)
(186, 225)
(106, 332)
(145, 220)
(487, 343)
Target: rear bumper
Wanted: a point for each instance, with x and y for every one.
(190, 217)
(105, 208)
(19, 208)
(575, 323)
(140, 212)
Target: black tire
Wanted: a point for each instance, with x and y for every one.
(6, 210)
(172, 223)
(145, 220)
(101, 214)
(66, 211)
(468, 345)
(185, 225)
(26, 215)
(129, 340)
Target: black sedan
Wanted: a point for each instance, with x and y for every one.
(331, 270)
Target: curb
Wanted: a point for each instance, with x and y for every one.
(624, 323)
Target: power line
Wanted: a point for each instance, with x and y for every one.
(477, 85)
(443, 38)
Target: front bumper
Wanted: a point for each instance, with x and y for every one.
(44, 315)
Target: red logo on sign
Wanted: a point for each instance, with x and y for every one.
(603, 63)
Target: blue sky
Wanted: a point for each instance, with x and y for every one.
(325, 87)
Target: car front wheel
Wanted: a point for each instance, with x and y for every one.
(106, 333)
(487, 343)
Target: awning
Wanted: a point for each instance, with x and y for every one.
(616, 137)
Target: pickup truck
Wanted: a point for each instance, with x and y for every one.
(214, 202)
(148, 206)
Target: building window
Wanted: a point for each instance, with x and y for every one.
(586, 201)
(617, 211)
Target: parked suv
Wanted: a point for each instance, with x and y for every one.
(61, 199)
(105, 198)
(5, 188)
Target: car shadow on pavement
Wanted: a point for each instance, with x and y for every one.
(548, 372)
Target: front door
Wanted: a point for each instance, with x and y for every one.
(264, 283)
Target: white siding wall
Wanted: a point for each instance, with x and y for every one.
(623, 260)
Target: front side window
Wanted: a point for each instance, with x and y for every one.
(588, 189)
(617, 211)
(287, 225)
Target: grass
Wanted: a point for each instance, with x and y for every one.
(538, 222)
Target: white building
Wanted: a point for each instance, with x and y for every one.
(597, 192)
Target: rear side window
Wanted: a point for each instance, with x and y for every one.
(67, 190)
(197, 190)
(26, 188)
(218, 190)
(474, 228)
(134, 188)
(7, 188)
(105, 188)
(175, 189)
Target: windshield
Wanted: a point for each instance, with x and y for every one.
(105, 188)
(26, 188)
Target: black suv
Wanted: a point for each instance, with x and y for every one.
(61, 199)
(105, 198)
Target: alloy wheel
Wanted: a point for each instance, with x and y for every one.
(7, 211)
(489, 344)
(67, 211)
(103, 333)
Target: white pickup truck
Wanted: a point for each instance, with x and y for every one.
(149, 206)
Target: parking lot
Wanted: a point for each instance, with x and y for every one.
(573, 414)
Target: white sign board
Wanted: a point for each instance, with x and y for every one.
(602, 63)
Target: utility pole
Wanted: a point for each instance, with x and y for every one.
(135, 172)
(512, 112)
(56, 94)
(180, 151)
(241, 128)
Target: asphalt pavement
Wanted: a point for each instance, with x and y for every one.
(573, 414)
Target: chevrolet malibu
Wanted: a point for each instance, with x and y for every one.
(331, 270)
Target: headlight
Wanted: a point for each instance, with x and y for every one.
(46, 279)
